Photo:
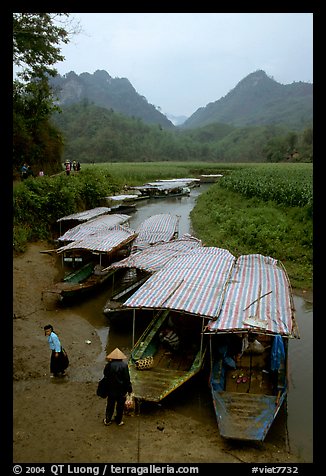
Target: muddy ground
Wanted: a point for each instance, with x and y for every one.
(60, 420)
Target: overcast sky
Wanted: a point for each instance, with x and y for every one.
(183, 61)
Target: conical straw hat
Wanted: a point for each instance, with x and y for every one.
(116, 354)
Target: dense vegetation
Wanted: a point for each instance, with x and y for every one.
(35, 50)
(100, 135)
(263, 209)
(241, 213)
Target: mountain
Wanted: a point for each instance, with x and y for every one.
(259, 100)
(104, 91)
(176, 120)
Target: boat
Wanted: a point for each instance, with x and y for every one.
(209, 178)
(100, 224)
(169, 368)
(249, 341)
(79, 282)
(184, 293)
(133, 271)
(160, 228)
(98, 250)
(75, 219)
(163, 189)
(123, 203)
(94, 225)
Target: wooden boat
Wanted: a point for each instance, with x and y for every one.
(122, 203)
(98, 224)
(164, 189)
(187, 289)
(249, 343)
(106, 246)
(79, 282)
(249, 297)
(171, 368)
(210, 178)
(75, 219)
(133, 271)
(160, 228)
(129, 280)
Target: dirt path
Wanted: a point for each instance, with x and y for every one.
(60, 420)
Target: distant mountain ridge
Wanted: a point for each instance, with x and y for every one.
(259, 100)
(104, 91)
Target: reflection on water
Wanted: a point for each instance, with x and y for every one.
(193, 398)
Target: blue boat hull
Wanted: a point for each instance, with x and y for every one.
(247, 394)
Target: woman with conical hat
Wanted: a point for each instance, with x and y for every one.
(117, 373)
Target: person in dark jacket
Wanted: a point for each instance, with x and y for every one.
(117, 373)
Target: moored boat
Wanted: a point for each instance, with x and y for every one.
(184, 292)
(170, 367)
(133, 271)
(97, 250)
(249, 341)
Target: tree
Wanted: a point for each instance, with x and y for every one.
(36, 39)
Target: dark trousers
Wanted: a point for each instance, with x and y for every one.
(57, 364)
(115, 401)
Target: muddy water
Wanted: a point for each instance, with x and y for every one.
(293, 425)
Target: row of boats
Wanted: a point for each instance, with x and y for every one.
(236, 313)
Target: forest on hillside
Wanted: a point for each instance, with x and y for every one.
(94, 134)
(45, 135)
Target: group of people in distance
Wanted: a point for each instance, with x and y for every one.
(72, 165)
(26, 170)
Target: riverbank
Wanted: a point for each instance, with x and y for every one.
(60, 420)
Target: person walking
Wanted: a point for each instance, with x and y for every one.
(24, 171)
(67, 167)
(118, 380)
(59, 359)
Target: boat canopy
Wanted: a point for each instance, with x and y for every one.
(193, 283)
(161, 186)
(155, 257)
(251, 293)
(258, 297)
(105, 241)
(85, 215)
(121, 198)
(102, 223)
(185, 181)
(156, 229)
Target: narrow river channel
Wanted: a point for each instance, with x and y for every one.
(295, 424)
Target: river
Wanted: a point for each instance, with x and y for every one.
(295, 423)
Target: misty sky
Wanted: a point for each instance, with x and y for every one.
(183, 61)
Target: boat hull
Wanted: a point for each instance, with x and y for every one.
(243, 416)
(171, 369)
(248, 395)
